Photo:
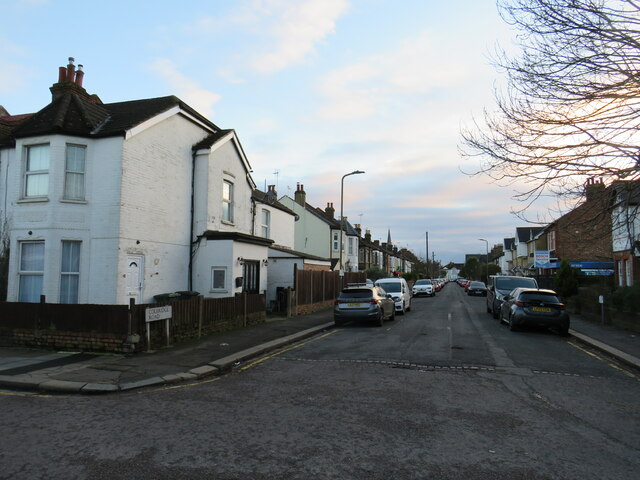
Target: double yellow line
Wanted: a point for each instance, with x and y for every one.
(612, 365)
(249, 365)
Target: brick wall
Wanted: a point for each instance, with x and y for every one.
(585, 232)
(57, 340)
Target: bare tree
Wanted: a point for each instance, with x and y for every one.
(571, 106)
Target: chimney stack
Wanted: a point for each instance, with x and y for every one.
(329, 210)
(593, 189)
(70, 81)
(300, 195)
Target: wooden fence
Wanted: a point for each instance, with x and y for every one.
(317, 289)
(114, 328)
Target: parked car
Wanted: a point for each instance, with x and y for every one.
(477, 288)
(423, 287)
(363, 303)
(399, 290)
(501, 285)
(534, 307)
(367, 283)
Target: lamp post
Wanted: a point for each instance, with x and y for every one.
(355, 172)
(487, 258)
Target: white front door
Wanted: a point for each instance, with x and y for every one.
(135, 275)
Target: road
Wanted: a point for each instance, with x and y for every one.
(442, 392)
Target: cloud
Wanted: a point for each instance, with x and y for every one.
(187, 89)
(296, 28)
(415, 69)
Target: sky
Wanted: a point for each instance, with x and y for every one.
(314, 89)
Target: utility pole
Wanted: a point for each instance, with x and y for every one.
(426, 261)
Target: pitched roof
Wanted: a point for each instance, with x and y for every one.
(262, 197)
(628, 192)
(8, 123)
(75, 114)
(526, 234)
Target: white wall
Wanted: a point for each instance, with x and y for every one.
(625, 228)
(282, 228)
(312, 235)
(225, 163)
(225, 254)
(156, 205)
(281, 273)
(94, 221)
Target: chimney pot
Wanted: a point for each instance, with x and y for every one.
(62, 74)
(79, 76)
(71, 70)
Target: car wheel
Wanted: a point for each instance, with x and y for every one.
(380, 321)
(392, 317)
(512, 326)
(494, 312)
(337, 323)
(564, 331)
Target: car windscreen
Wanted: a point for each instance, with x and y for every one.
(538, 297)
(356, 293)
(509, 283)
(390, 287)
(477, 284)
(423, 282)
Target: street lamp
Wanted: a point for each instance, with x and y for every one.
(355, 172)
(487, 258)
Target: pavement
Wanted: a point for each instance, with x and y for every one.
(24, 369)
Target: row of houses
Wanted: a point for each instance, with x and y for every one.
(599, 237)
(107, 202)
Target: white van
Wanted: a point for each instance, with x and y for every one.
(398, 288)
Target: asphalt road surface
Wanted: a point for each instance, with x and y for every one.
(443, 392)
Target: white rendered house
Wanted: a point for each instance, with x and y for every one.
(105, 203)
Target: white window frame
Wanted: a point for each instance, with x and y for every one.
(33, 174)
(629, 271)
(350, 242)
(215, 288)
(336, 242)
(24, 273)
(76, 174)
(621, 273)
(551, 240)
(266, 223)
(227, 201)
(70, 274)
